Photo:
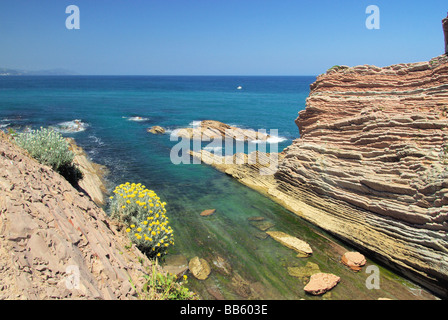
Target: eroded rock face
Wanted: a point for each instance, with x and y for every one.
(50, 233)
(372, 162)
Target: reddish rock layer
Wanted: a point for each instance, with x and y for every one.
(372, 163)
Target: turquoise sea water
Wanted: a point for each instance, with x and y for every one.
(107, 106)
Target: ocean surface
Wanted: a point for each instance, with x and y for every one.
(113, 114)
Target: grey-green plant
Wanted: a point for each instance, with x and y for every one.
(46, 146)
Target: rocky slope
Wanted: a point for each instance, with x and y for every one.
(51, 236)
(370, 165)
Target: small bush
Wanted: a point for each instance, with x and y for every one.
(51, 148)
(46, 146)
(145, 217)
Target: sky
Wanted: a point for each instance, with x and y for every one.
(216, 37)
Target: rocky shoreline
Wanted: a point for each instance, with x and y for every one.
(370, 165)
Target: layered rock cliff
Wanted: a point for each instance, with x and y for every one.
(370, 165)
(55, 242)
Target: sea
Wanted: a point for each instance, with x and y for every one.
(109, 116)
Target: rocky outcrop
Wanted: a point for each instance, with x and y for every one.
(55, 243)
(92, 182)
(156, 130)
(211, 129)
(370, 165)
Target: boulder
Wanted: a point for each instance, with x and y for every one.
(353, 260)
(156, 130)
(199, 268)
(321, 282)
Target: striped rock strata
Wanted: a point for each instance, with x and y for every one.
(371, 165)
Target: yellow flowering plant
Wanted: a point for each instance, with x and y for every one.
(141, 210)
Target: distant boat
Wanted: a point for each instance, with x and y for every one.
(239, 87)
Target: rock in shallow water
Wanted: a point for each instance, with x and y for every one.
(208, 212)
(291, 242)
(353, 260)
(199, 268)
(321, 283)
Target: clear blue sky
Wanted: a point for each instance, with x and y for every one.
(216, 37)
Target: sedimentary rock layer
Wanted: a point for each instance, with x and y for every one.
(211, 129)
(55, 242)
(370, 165)
(372, 162)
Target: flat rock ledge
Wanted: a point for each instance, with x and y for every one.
(320, 283)
(300, 246)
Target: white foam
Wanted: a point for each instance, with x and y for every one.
(71, 126)
(195, 123)
(274, 139)
(137, 119)
(4, 125)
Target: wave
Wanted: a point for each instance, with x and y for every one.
(137, 119)
(71, 126)
(4, 125)
(271, 139)
(195, 123)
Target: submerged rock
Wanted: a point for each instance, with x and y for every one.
(321, 282)
(176, 264)
(304, 273)
(291, 242)
(208, 212)
(199, 268)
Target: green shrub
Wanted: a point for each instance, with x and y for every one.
(46, 146)
(50, 148)
(145, 218)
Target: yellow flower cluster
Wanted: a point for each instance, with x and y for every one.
(144, 213)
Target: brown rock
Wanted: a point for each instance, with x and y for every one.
(208, 212)
(353, 260)
(321, 283)
(291, 242)
(156, 130)
(199, 268)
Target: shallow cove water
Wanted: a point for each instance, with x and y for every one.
(257, 266)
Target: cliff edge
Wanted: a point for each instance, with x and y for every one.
(55, 242)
